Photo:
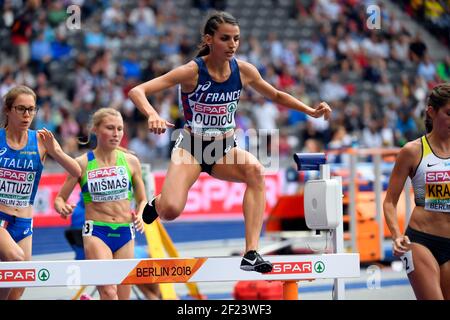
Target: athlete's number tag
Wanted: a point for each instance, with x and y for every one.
(407, 260)
(132, 230)
(87, 228)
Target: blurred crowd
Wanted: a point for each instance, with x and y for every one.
(433, 14)
(376, 80)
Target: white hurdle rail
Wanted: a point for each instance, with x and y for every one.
(286, 268)
(173, 270)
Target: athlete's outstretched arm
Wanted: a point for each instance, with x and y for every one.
(253, 78)
(61, 206)
(53, 148)
(139, 94)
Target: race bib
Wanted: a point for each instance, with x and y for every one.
(437, 191)
(213, 119)
(108, 184)
(16, 187)
(88, 227)
(407, 260)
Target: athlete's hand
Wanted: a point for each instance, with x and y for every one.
(401, 245)
(138, 222)
(48, 140)
(66, 210)
(158, 125)
(323, 109)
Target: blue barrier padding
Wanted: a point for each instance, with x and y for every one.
(309, 161)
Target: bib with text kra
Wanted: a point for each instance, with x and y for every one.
(437, 189)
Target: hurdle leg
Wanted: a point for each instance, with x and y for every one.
(290, 290)
(79, 293)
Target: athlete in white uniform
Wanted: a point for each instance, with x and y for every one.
(425, 245)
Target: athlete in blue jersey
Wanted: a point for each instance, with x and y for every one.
(210, 88)
(424, 246)
(22, 155)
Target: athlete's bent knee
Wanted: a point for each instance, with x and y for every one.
(170, 211)
(15, 254)
(254, 175)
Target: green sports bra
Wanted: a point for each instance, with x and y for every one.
(107, 183)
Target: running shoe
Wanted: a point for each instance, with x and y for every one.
(252, 261)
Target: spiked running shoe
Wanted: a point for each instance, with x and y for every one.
(252, 261)
(149, 214)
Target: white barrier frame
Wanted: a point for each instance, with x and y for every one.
(313, 161)
(173, 270)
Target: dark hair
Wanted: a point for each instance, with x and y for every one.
(212, 24)
(438, 98)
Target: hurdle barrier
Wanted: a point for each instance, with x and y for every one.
(172, 270)
(286, 268)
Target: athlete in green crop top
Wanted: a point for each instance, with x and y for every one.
(109, 179)
(106, 184)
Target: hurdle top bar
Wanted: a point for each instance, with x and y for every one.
(173, 270)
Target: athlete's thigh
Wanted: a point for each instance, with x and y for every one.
(425, 277)
(95, 248)
(6, 243)
(26, 245)
(445, 280)
(126, 251)
(234, 165)
(182, 173)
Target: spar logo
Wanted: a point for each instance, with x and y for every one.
(30, 176)
(232, 107)
(213, 109)
(292, 267)
(16, 175)
(319, 267)
(17, 275)
(106, 172)
(437, 176)
(43, 274)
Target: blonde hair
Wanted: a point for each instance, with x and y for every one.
(97, 118)
(10, 97)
